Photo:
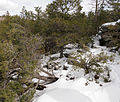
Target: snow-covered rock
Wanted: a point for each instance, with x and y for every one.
(110, 34)
(70, 46)
(111, 23)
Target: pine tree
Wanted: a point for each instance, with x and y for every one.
(115, 5)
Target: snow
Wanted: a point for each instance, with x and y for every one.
(118, 21)
(111, 23)
(63, 95)
(35, 80)
(70, 46)
(65, 90)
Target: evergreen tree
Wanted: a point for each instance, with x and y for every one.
(115, 5)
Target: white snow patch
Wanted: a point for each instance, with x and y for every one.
(63, 95)
(111, 23)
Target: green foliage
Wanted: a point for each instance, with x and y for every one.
(16, 87)
(3, 71)
(16, 34)
(115, 13)
(7, 50)
(27, 97)
(19, 52)
(93, 65)
(62, 8)
(6, 95)
(15, 92)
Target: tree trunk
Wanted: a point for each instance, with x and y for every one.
(61, 52)
(96, 15)
(96, 8)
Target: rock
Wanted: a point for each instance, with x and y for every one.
(79, 46)
(66, 55)
(69, 77)
(119, 50)
(102, 42)
(90, 44)
(57, 67)
(113, 49)
(101, 85)
(96, 77)
(104, 29)
(110, 36)
(52, 65)
(40, 87)
(46, 66)
(53, 58)
(72, 78)
(65, 67)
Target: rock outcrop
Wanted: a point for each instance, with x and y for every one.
(110, 34)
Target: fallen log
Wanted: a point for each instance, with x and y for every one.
(46, 78)
(46, 72)
(39, 86)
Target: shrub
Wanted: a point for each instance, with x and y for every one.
(93, 65)
(7, 95)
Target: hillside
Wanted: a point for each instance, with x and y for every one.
(60, 52)
(74, 86)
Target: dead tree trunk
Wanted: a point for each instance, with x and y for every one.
(61, 52)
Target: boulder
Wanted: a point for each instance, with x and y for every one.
(66, 55)
(113, 49)
(110, 34)
(102, 42)
(65, 67)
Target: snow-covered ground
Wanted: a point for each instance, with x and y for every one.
(65, 90)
